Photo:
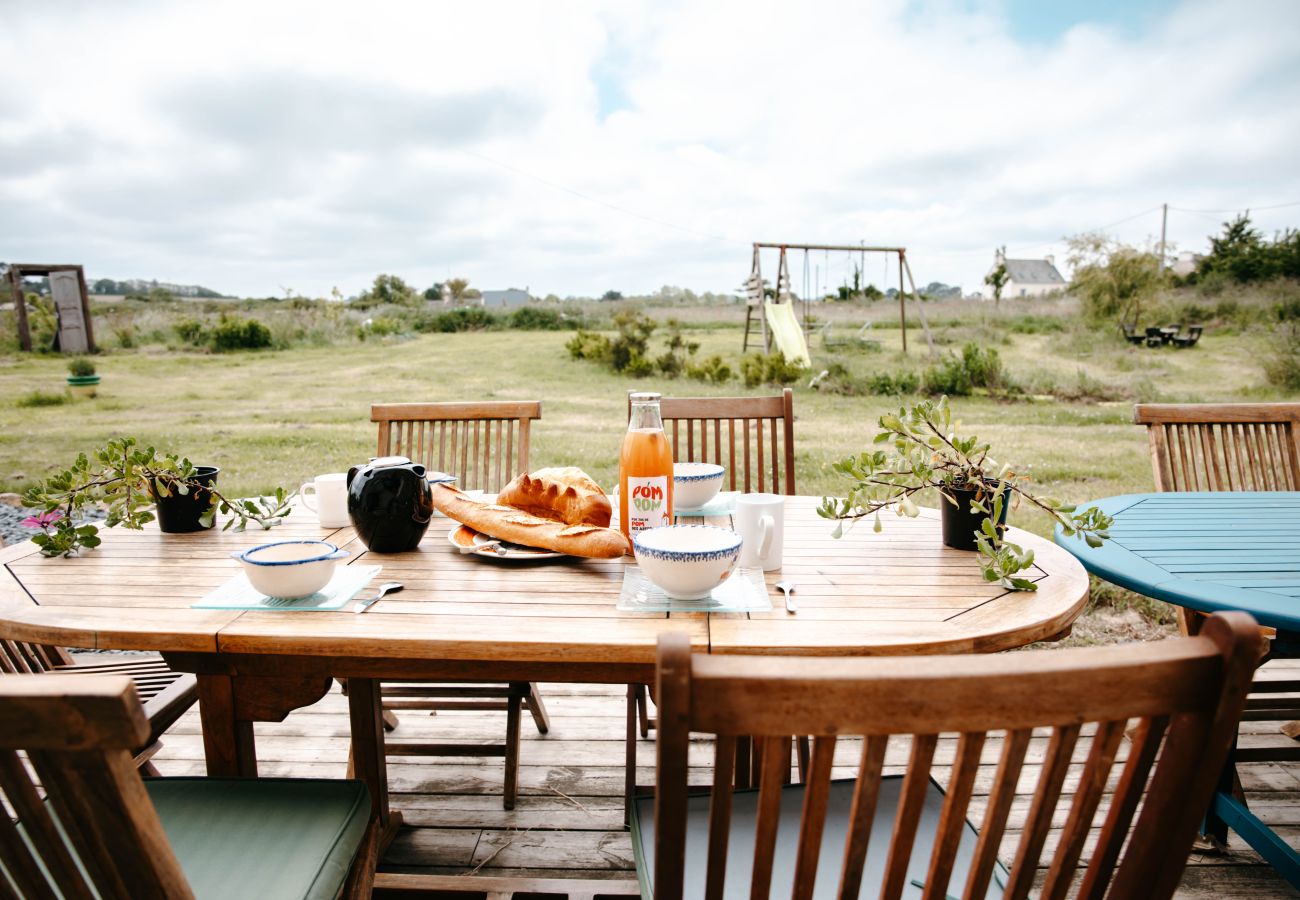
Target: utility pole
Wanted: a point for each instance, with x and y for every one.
(1164, 219)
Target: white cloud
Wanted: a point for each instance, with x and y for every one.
(251, 145)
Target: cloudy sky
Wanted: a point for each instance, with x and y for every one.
(575, 147)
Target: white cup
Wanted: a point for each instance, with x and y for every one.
(331, 499)
(760, 521)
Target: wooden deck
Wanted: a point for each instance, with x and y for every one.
(568, 822)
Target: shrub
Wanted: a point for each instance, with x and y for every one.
(1282, 366)
(463, 318)
(388, 289)
(713, 370)
(41, 398)
(1111, 279)
(535, 318)
(677, 352)
(588, 345)
(234, 333)
(191, 331)
(773, 369)
(893, 385)
(380, 326)
(81, 367)
(125, 336)
(957, 376)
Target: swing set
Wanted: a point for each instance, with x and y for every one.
(776, 318)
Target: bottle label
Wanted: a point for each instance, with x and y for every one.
(647, 500)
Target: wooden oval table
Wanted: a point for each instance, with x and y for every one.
(468, 617)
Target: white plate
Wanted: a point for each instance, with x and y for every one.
(464, 537)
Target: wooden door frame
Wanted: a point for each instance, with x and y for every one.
(19, 271)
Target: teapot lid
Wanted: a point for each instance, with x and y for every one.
(386, 462)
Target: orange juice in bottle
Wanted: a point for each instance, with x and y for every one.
(645, 469)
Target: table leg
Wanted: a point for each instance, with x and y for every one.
(228, 744)
(365, 713)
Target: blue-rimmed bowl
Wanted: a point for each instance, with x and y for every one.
(289, 569)
(695, 483)
(686, 561)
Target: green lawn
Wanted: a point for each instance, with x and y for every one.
(279, 417)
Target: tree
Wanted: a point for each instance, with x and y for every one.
(1112, 279)
(997, 279)
(388, 289)
(611, 295)
(104, 286)
(1242, 254)
(459, 288)
(435, 292)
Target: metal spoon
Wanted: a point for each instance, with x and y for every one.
(788, 588)
(388, 587)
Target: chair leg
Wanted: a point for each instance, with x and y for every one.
(643, 709)
(629, 752)
(518, 690)
(390, 719)
(538, 709)
(361, 880)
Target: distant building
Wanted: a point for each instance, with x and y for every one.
(1025, 277)
(1186, 263)
(511, 298)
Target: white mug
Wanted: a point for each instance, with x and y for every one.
(760, 522)
(331, 496)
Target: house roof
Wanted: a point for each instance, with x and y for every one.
(1033, 271)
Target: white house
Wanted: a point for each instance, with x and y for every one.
(1025, 277)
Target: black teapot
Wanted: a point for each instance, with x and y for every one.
(389, 503)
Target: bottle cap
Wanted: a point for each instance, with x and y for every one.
(645, 397)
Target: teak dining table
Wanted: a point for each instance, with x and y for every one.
(468, 617)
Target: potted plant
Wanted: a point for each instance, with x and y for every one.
(129, 480)
(82, 380)
(925, 451)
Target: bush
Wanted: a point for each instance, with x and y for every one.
(958, 376)
(380, 326)
(234, 333)
(773, 369)
(535, 318)
(464, 318)
(713, 370)
(81, 367)
(1282, 366)
(191, 331)
(893, 385)
(1111, 279)
(588, 345)
(41, 398)
(388, 289)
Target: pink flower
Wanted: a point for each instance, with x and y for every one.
(43, 520)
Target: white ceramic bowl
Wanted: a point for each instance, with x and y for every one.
(695, 484)
(290, 569)
(687, 561)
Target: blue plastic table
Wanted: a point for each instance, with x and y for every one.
(1211, 552)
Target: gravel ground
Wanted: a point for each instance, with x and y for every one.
(12, 531)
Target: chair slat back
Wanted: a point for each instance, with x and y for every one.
(752, 436)
(1223, 446)
(1185, 695)
(95, 833)
(484, 444)
(22, 658)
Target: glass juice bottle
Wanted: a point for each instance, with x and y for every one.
(645, 469)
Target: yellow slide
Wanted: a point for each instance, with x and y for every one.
(786, 333)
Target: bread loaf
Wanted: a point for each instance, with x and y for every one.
(563, 494)
(518, 527)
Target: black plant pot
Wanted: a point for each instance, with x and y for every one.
(960, 522)
(180, 513)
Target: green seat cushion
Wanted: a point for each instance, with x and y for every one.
(740, 846)
(262, 837)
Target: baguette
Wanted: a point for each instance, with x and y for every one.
(563, 494)
(518, 527)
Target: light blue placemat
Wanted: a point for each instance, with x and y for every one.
(744, 591)
(724, 504)
(237, 593)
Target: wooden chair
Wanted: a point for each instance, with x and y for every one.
(754, 438)
(1232, 447)
(485, 445)
(99, 830)
(893, 833)
(1223, 446)
(166, 694)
